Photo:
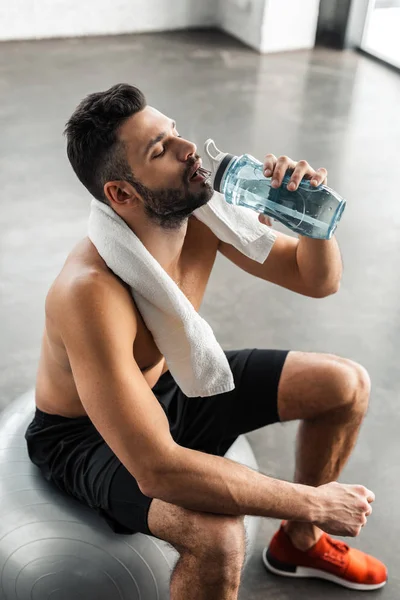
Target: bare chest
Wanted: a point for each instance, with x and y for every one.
(55, 389)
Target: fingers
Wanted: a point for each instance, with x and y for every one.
(277, 168)
(370, 496)
(366, 507)
(365, 516)
(364, 521)
(363, 491)
(265, 220)
(304, 170)
(269, 164)
(320, 176)
(283, 163)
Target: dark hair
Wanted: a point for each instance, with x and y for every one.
(93, 148)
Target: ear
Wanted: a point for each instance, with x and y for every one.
(120, 192)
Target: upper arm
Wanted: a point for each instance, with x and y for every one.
(280, 266)
(99, 328)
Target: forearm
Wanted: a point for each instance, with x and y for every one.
(208, 483)
(320, 264)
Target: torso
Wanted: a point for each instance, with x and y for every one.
(56, 391)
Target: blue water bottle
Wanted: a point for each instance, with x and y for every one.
(310, 211)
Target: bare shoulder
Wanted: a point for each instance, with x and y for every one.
(85, 284)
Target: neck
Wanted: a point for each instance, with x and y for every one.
(163, 244)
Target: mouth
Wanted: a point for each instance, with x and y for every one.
(194, 169)
(198, 174)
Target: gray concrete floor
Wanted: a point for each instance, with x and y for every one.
(337, 110)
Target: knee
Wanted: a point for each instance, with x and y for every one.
(221, 542)
(356, 386)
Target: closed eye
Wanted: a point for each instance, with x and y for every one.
(163, 150)
(160, 154)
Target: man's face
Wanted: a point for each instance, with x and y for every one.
(163, 164)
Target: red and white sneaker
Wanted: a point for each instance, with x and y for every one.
(328, 559)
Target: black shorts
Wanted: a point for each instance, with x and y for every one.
(71, 453)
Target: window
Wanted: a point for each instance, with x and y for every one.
(381, 36)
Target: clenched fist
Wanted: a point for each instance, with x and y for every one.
(344, 508)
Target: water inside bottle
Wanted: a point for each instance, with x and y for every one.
(307, 209)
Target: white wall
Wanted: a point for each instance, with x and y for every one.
(243, 19)
(265, 25)
(289, 25)
(359, 12)
(30, 19)
(271, 25)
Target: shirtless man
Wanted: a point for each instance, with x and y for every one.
(113, 429)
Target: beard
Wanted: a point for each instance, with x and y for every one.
(170, 207)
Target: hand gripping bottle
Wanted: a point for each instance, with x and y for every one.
(310, 211)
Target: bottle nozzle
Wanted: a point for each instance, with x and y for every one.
(211, 149)
(218, 162)
(205, 173)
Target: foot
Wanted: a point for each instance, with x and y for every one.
(327, 559)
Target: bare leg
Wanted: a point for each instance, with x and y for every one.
(330, 395)
(192, 579)
(212, 550)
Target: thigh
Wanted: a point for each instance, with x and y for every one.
(208, 424)
(212, 424)
(130, 511)
(127, 507)
(255, 402)
(314, 383)
(194, 530)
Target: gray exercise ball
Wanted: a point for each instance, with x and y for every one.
(54, 548)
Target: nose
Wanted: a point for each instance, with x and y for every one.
(186, 149)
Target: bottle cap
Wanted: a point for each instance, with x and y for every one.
(218, 161)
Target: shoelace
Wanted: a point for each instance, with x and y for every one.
(340, 546)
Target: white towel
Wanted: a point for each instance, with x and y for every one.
(194, 357)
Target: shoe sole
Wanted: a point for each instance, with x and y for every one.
(303, 572)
